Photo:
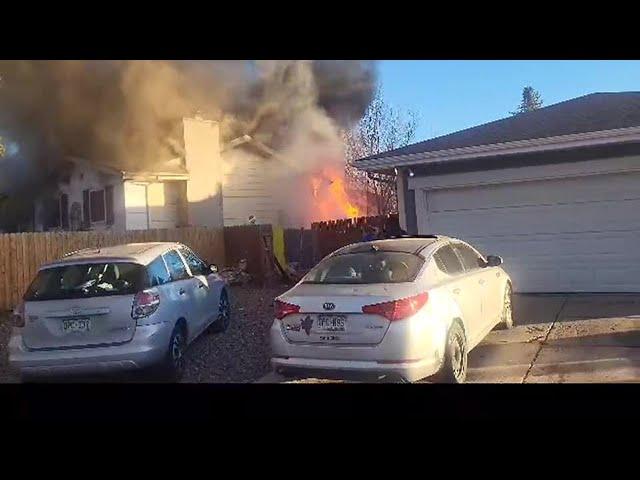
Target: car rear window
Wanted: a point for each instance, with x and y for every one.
(87, 280)
(366, 268)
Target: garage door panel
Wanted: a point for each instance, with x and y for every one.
(614, 187)
(589, 243)
(594, 217)
(623, 245)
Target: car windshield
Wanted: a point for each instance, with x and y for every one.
(87, 280)
(366, 268)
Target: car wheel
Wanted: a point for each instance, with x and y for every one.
(174, 363)
(454, 368)
(507, 309)
(224, 314)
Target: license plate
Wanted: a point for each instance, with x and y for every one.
(76, 325)
(332, 323)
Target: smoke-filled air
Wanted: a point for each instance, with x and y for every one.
(129, 114)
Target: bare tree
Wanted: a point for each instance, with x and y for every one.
(382, 128)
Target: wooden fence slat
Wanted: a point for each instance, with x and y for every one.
(4, 273)
(13, 258)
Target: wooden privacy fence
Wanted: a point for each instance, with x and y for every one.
(21, 254)
(307, 247)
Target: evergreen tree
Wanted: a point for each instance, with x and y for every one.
(531, 100)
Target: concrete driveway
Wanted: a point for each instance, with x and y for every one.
(560, 339)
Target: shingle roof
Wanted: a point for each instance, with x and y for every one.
(590, 113)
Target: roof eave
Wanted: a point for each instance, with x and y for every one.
(154, 177)
(561, 142)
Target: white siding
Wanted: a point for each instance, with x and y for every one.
(152, 205)
(246, 189)
(135, 195)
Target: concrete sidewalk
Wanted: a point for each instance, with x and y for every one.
(559, 339)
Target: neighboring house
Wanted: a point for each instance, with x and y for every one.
(181, 192)
(555, 192)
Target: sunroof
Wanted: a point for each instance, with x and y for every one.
(409, 245)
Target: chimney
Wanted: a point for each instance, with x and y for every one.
(204, 165)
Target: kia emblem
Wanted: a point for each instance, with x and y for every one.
(329, 306)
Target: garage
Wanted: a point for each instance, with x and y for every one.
(556, 235)
(554, 191)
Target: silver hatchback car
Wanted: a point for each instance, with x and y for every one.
(118, 308)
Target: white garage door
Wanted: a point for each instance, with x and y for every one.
(563, 235)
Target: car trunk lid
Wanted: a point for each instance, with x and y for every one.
(332, 314)
(79, 323)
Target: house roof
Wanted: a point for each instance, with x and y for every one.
(591, 113)
(247, 141)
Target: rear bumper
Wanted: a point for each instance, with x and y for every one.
(147, 348)
(412, 349)
(361, 370)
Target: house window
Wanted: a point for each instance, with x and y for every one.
(97, 206)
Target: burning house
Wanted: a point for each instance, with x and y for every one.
(115, 145)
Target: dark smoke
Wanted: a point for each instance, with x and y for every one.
(128, 113)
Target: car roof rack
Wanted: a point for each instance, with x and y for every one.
(74, 252)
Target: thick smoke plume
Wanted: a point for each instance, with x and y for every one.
(128, 113)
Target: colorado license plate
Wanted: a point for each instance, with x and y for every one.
(332, 323)
(76, 325)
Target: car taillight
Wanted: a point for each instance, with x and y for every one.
(398, 309)
(18, 316)
(145, 303)
(282, 309)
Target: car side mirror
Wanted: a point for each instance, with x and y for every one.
(494, 261)
(213, 268)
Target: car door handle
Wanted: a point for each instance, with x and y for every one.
(456, 291)
(498, 274)
(481, 282)
(201, 285)
(181, 291)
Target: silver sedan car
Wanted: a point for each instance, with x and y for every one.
(118, 308)
(405, 308)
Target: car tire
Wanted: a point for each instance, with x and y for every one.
(506, 320)
(221, 324)
(174, 362)
(454, 367)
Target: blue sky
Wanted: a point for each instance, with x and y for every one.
(456, 94)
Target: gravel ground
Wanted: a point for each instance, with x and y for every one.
(5, 331)
(239, 355)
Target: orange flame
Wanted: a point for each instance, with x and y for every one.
(331, 198)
